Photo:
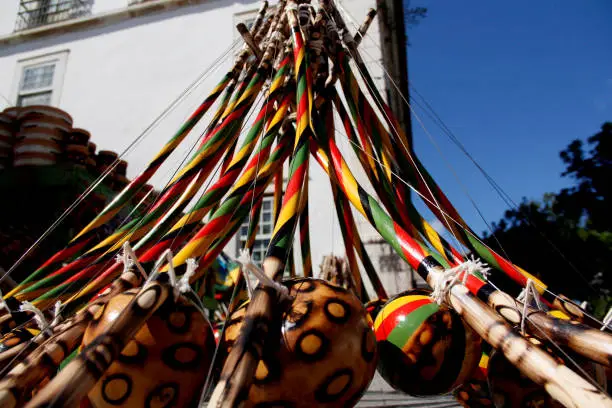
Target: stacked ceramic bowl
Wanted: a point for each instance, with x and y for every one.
(91, 157)
(42, 132)
(8, 127)
(119, 175)
(77, 147)
(104, 159)
(43, 135)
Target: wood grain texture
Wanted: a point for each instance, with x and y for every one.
(97, 356)
(558, 380)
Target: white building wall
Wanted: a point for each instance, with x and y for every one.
(121, 73)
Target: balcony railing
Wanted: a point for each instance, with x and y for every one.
(36, 13)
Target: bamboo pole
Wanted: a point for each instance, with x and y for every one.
(559, 381)
(185, 225)
(428, 187)
(43, 362)
(237, 374)
(106, 248)
(589, 342)
(582, 339)
(89, 366)
(305, 231)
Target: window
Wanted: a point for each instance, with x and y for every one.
(39, 80)
(264, 231)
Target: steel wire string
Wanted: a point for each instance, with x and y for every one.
(209, 384)
(556, 345)
(431, 113)
(147, 131)
(105, 265)
(392, 127)
(398, 91)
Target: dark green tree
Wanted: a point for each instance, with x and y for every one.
(566, 237)
(414, 15)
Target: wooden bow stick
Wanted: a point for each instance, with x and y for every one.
(45, 360)
(97, 356)
(561, 382)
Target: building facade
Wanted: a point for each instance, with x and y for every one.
(116, 65)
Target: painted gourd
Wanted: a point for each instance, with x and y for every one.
(37, 146)
(10, 342)
(511, 389)
(165, 364)
(474, 393)
(7, 139)
(373, 307)
(325, 355)
(10, 320)
(7, 323)
(424, 348)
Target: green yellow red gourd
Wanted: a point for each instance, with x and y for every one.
(424, 348)
(474, 393)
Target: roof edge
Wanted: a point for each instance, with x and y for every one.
(84, 23)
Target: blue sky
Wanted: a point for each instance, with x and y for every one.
(516, 82)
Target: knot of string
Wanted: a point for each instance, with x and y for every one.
(527, 295)
(179, 285)
(129, 259)
(444, 281)
(39, 317)
(183, 285)
(276, 36)
(167, 258)
(265, 87)
(347, 38)
(248, 266)
(316, 45)
(56, 314)
(304, 15)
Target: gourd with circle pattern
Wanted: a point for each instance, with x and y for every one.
(325, 355)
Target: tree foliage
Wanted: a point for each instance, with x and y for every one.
(566, 237)
(414, 15)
